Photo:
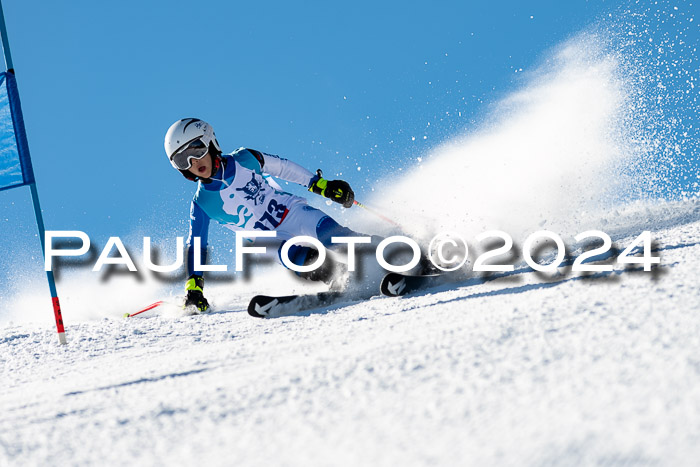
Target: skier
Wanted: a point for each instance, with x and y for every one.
(236, 190)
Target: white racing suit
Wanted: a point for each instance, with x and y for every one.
(242, 196)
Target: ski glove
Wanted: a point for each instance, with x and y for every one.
(195, 296)
(335, 190)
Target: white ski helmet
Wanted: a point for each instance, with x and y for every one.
(187, 139)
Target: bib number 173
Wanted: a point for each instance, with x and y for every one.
(273, 216)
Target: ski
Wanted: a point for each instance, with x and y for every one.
(395, 284)
(266, 306)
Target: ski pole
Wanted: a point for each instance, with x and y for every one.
(378, 214)
(149, 307)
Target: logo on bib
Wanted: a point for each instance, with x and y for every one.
(253, 190)
(239, 212)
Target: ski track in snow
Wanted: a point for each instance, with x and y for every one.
(515, 371)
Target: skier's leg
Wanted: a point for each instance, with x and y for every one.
(309, 221)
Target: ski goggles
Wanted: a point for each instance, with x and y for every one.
(182, 159)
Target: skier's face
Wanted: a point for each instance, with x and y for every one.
(202, 167)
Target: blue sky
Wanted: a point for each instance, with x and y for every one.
(326, 84)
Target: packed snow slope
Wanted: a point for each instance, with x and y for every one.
(522, 370)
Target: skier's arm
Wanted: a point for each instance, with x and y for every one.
(199, 227)
(335, 190)
(283, 168)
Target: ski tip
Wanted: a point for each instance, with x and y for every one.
(253, 306)
(126, 315)
(392, 285)
(254, 314)
(397, 284)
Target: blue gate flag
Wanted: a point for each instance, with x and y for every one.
(15, 164)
